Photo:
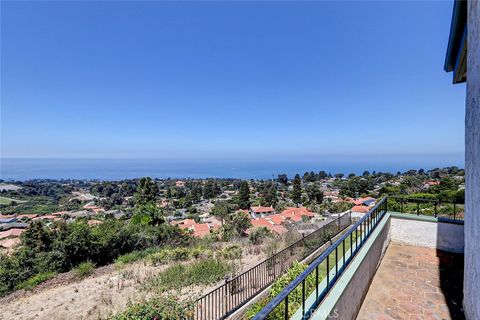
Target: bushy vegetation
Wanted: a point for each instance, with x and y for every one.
(34, 281)
(203, 271)
(295, 297)
(66, 246)
(84, 269)
(178, 254)
(164, 307)
(257, 235)
(135, 256)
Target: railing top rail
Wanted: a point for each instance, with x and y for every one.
(275, 254)
(407, 198)
(298, 280)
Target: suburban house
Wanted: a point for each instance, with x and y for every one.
(295, 214)
(180, 184)
(277, 222)
(198, 230)
(367, 201)
(260, 211)
(273, 225)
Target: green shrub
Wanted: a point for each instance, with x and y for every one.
(135, 256)
(164, 307)
(232, 252)
(294, 298)
(84, 269)
(180, 275)
(180, 254)
(161, 257)
(258, 234)
(34, 281)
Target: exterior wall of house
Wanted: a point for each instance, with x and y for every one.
(472, 165)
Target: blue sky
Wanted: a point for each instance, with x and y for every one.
(182, 80)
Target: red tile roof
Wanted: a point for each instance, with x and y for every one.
(15, 232)
(60, 213)
(184, 224)
(47, 217)
(9, 243)
(360, 209)
(28, 216)
(201, 229)
(261, 209)
(360, 201)
(277, 219)
(302, 211)
(261, 222)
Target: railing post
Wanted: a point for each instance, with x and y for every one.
(454, 207)
(286, 308)
(328, 271)
(303, 298)
(418, 208)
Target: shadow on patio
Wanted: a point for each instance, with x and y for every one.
(415, 282)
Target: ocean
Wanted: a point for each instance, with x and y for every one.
(117, 169)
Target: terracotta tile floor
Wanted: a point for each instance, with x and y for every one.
(415, 283)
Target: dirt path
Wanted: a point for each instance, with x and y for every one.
(107, 291)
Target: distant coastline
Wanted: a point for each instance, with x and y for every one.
(118, 169)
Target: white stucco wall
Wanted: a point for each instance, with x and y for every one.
(435, 235)
(471, 302)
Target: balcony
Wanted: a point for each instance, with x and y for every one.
(389, 265)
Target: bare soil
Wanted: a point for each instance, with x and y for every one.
(107, 291)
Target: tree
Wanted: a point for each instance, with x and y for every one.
(235, 225)
(270, 196)
(322, 175)
(244, 196)
(282, 178)
(147, 214)
(196, 193)
(221, 210)
(147, 191)
(168, 193)
(211, 189)
(297, 189)
(315, 195)
(73, 204)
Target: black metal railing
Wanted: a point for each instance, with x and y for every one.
(306, 291)
(234, 293)
(428, 207)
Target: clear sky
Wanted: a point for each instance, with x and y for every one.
(227, 79)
